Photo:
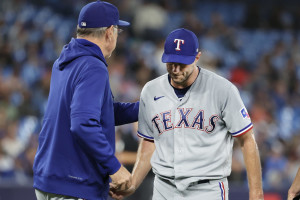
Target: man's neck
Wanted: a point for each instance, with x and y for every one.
(98, 42)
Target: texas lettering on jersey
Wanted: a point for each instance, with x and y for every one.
(163, 121)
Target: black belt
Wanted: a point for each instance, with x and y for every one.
(202, 181)
(199, 182)
(193, 183)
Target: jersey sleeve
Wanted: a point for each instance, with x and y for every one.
(125, 113)
(235, 114)
(144, 125)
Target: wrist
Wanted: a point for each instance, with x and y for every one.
(292, 191)
(256, 195)
(134, 184)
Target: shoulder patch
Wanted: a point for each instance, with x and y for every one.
(244, 113)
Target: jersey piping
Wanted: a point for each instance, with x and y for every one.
(144, 136)
(244, 130)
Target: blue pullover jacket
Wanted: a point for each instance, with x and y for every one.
(77, 141)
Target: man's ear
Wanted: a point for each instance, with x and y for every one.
(109, 33)
(198, 56)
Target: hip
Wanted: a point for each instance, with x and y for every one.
(213, 189)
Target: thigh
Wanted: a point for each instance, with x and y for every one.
(163, 189)
(50, 196)
(40, 195)
(214, 190)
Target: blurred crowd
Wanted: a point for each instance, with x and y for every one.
(253, 44)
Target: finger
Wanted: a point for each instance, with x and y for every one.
(129, 183)
(110, 193)
(113, 195)
(126, 185)
(111, 185)
(119, 197)
(121, 187)
(116, 197)
(114, 186)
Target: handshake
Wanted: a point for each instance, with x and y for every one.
(122, 184)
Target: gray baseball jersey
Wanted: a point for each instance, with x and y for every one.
(193, 136)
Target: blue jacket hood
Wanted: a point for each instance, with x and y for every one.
(77, 48)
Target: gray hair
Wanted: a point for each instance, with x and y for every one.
(94, 32)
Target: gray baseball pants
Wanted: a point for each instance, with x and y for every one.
(40, 195)
(213, 190)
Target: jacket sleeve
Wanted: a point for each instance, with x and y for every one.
(85, 118)
(126, 112)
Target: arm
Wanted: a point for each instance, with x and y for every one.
(253, 166)
(86, 128)
(141, 168)
(127, 157)
(295, 187)
(142, 165)
(126, 112)
(89, 93)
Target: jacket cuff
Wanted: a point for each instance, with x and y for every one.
(114, 164)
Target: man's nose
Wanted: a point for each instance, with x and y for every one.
(175, 68)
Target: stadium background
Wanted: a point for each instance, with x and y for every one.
(255, 44)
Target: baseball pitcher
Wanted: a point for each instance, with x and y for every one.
(188, 119)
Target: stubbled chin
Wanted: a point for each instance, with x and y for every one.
(177, 78)
(178, 81)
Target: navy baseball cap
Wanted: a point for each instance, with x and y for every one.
(99, 14)
(181, 46)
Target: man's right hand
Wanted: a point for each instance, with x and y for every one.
(119, 195)
(121, 180)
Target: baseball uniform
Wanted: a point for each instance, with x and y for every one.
(193, 135)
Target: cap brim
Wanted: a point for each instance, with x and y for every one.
(173, 58)
(123, 23)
